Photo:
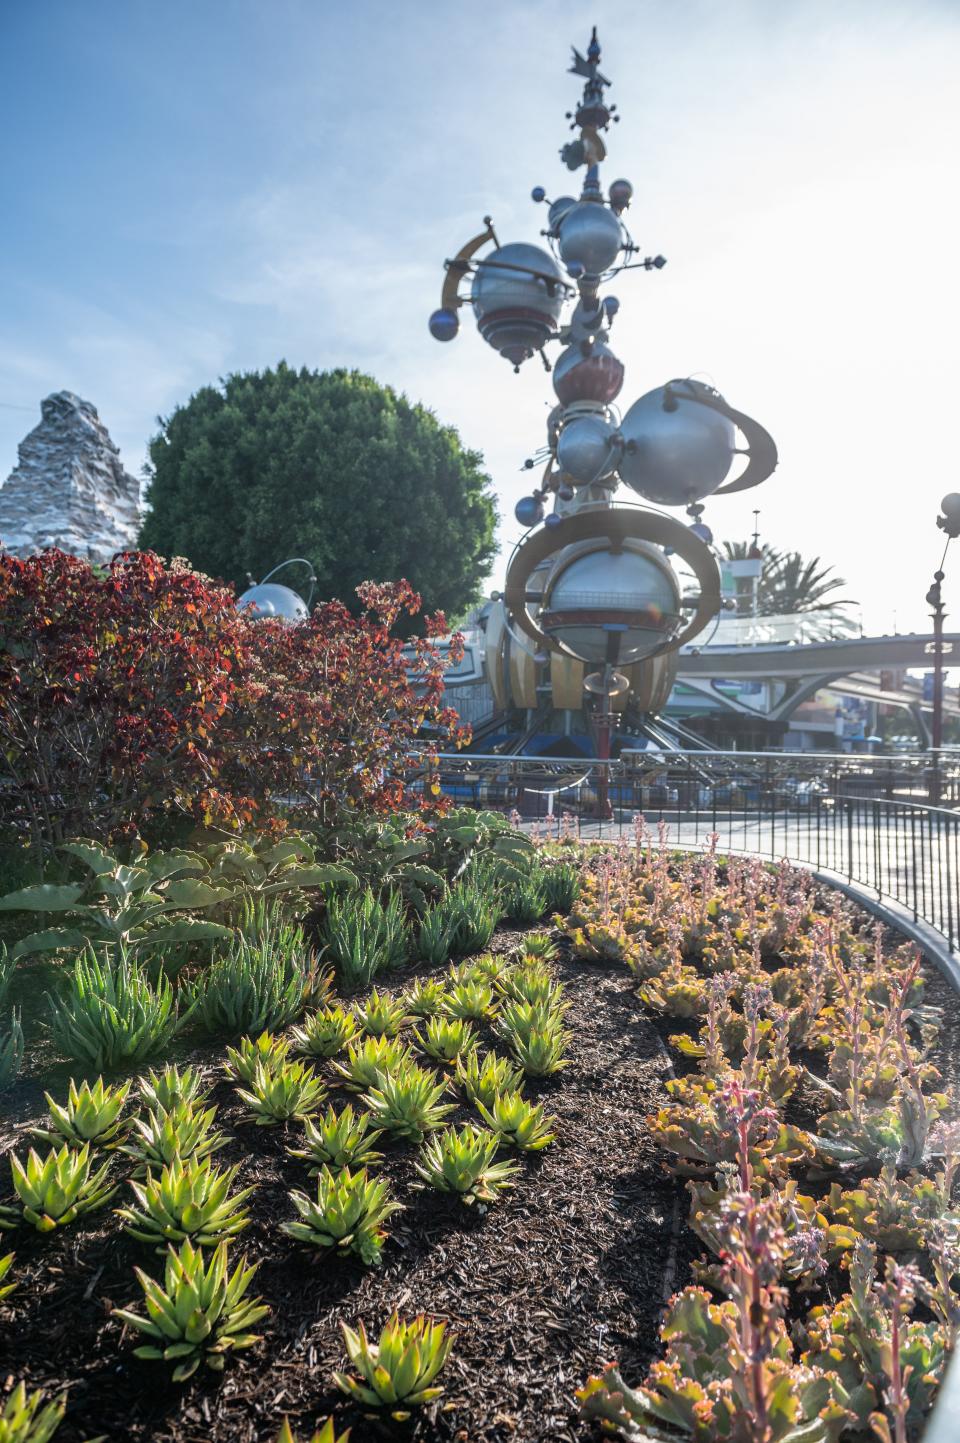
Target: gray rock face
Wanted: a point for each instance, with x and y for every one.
(69, 488)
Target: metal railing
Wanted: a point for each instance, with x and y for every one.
(861, 818)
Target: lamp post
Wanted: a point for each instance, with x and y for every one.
(948, 521)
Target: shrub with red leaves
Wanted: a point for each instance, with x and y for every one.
(138, 690)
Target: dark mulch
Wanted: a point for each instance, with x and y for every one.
(568, 1271)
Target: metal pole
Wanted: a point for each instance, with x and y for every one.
(936, 602)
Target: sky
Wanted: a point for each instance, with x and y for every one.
(192, 189)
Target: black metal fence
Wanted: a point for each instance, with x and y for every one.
(863, 818)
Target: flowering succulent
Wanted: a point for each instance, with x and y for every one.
(348, 1214)
(469, 1001)
(276, 1096)
(339, 1140)
(407, 1103)
(894, 1212)
(23, 1420)
(91, 1114)
(189, 1198)
(446, 1038)
(709, 1125)
(483, 1081)
(398, 1371)
(186, 1130)
(199, 1314)
(382, 1015)
(372, 1059)
(161, 1091)
(519, 1123)
(462, 1162)
(326, 1032)
(266, 1051)
(424, 998)
(60, 1187)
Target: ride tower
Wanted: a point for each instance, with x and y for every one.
(593, 611)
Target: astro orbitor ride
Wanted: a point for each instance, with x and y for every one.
(593, 607)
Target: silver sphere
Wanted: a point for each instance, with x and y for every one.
(589, 372)
(676, 456)
(558, 209)
(587, 449)
(950, 506)
(590, 235)
(517, 296)
(594, 595)
(271, 599)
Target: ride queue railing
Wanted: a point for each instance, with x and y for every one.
(862, 818)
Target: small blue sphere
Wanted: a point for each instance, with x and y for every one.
(703, 532)
(576, 269)
(529, 511)
(554, 519)
(611, 305)
(538, 194)
(444, 324)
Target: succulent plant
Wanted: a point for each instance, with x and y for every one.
(185, 1130)
(348, 1214)
(111, 1016)
(277, 1096)
(326, 1434)
(199, 1314)
(446, 1038)
(370, 1060)
(161, 1091)
(538, 946)
(382, 1015)
(60, 1187)
(91, 1114)
(519, 1123)
(261, 981)
(267, 1051)
(25, 1418)
(469, 1001)
(533, 984)
(326, 1032)
(462, 1162)
(339, 1140)
(407, 1103)
(6, 1263)
(519, 1018)
(11, 1050)
(487, 967)
(483, 1081)
(424, 998)
(540, 1052)
(398, 1371)
(187, 1199)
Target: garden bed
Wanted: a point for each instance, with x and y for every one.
(566, 1270)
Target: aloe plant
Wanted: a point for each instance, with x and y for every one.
(462, 1162)
(486, 1080)
(162, 1091)
(339, 1140)
(381, 1015)
(6, 1263)
(11, 1050)
(397, 1372)
(348, 1214)
(370, 1060)
(407, 1103)
(110, 1015)
(326, 1032)
(446, 1039)
(257, 985)
(470, 1001)
(364, 936)
(25, 1418)
(266, 1051)
(518, 1123)
(200, 1312)
(326, 1434)
(59, 1188)
(91, 1114)
(188, 1198)
(184, 1130)
(438, 927)
(278, 1095)
(425, 997)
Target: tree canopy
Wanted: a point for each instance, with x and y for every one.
(331, 466)
(789, 583)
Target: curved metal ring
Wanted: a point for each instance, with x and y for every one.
(761, 447)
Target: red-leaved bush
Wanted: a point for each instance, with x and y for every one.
(137, 690)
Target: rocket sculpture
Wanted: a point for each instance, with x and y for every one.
(590, 591)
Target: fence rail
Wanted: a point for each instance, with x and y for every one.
(862, 818)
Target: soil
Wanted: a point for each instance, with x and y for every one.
(570, 1269)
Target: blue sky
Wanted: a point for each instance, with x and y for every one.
(195, 188)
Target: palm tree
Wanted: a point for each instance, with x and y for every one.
(789, 585)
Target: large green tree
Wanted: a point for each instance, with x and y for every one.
(789, 583)
(330, 466)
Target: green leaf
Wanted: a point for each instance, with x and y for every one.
(46, 897)
(188, 892)
(52, 940)
(187, 930)
(322, 876)
(100, 862)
